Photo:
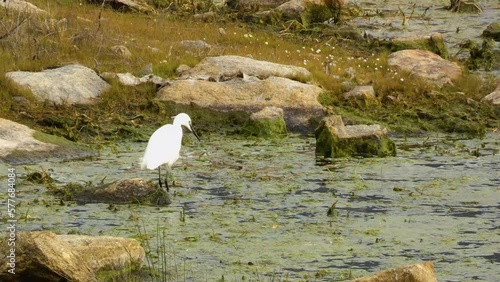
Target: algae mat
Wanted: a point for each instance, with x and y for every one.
(257, 210)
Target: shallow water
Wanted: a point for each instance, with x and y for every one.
(258, 209)
(384, 20)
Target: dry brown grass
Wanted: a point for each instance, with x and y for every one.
(85, 34)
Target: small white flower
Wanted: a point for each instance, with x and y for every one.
(245, 35)
(318, 51)
(267, 43)
(402, 79)
(376, 68)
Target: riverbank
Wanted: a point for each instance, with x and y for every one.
(88, 35)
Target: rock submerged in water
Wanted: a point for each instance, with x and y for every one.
(334, 139)
(46, 256)
(123, 191)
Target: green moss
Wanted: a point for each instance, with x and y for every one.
(268, 128)
(330, 146)
(131, 273)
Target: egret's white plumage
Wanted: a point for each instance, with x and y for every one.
(165, 144)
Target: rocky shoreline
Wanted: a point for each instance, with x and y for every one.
(268, 99)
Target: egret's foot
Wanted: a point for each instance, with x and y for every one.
(166, 185)
(163, 198)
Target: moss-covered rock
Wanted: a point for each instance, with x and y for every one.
(268, 123)
(20, 144)
(123, 191)
(334, 140)
(493, 31)
(433, 42)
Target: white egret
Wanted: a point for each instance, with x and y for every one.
(165, 144)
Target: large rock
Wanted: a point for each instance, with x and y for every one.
(224, 68)
(70, 84)
(425, 65)
(22, 7)
(421, 272)
(334, 139)
(20, 144)
(232, 83)
(45, 256)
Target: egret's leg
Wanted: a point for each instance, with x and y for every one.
(166, 180)
(159, 176)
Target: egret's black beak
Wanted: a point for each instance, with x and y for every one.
(194, 132)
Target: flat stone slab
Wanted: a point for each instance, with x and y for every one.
(223, 68)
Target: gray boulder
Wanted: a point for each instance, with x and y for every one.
(46, 256)
(70, 84)
(425, 65)
(22, 7)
